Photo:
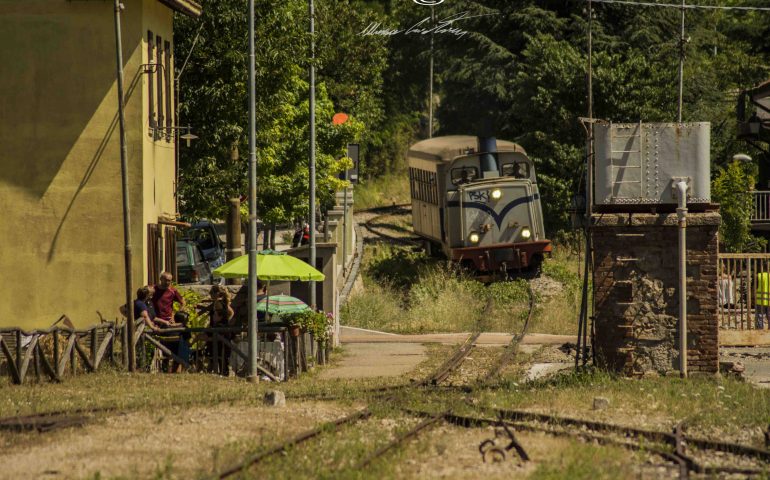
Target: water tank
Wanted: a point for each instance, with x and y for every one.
(638, 163)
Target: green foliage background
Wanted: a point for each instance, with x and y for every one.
(519, 73)
(731, 188)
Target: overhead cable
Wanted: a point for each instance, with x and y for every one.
(680, 6)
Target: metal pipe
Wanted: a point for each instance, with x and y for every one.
(124, 179)
(311, 260)
(681, 213)
(253, 344)
(345, 227)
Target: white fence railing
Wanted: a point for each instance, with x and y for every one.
(743, 291)
(760, 211)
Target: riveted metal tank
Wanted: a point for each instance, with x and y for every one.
(639, 163)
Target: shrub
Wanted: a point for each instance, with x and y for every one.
(191, 300)
(315, 323)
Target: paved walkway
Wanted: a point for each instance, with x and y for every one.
(756, 360)
(369, 353)
(367, 360)
(360, 335)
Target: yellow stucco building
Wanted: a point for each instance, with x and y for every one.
(61, 226)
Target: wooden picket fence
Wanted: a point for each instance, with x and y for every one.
(55, 353)
(737, 306)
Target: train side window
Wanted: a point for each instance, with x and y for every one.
(464, 175)
(433, 188)
(516, 170)
(422, 185)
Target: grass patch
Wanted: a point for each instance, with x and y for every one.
(707, 405)
(389, 189)
(581, 461)
(409, 292)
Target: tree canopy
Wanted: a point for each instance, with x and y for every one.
(516, 69)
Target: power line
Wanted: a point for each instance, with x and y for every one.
(686, 6)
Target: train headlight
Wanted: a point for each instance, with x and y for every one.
(526, 233)
(497, 194)
(473, 237)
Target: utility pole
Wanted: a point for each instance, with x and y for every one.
(253, 344)
(681, 66)
(124, 178)
(311, 259)
(430, 87)
(590, 170)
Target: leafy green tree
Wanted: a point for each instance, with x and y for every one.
(732, 189)
(214, 100)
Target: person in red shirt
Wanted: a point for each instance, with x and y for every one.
(163, 300)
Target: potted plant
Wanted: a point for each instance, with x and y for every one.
(315, 323)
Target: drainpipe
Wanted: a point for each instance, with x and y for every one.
(681, 213)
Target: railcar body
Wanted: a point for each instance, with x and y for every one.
(477, 200)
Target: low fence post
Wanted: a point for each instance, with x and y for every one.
(215, 353)
(18, 350)
(124, 344)
(93, 345)
(112, 345)
(56, 347)
(73, 354)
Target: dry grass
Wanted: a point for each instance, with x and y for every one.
(219, 421)
(407, 292)
(386, 190)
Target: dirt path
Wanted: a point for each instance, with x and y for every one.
(182, 443)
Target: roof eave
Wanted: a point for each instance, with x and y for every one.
(187, 7)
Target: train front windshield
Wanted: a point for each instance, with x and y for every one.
(473, 168)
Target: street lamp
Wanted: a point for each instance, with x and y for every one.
(188, 137)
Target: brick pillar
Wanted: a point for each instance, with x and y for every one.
(635, 291)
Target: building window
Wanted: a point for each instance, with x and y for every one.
(159, 69)
(150, 91)
(169, 71)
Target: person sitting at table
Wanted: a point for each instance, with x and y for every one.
(261, 293)
(221, 312)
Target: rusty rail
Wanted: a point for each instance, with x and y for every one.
(630, 440)
(335, 425)
(370, 225)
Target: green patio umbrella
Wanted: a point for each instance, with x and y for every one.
(271, 265)
(281, 304)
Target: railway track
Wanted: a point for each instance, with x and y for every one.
(384, 395)
(672, 447)
(677, 449)
(377, 230)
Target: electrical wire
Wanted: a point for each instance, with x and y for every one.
(680, 6)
